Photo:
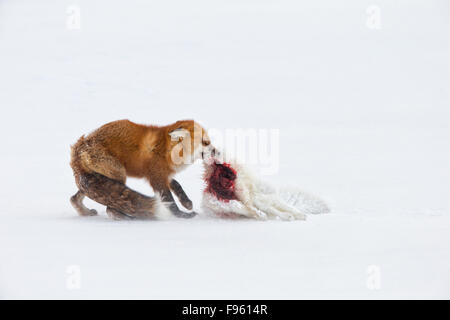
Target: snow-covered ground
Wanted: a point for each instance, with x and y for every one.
(363, 115)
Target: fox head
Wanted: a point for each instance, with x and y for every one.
(189, 142)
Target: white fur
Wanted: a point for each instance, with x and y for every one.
(260, 200)
(161, 210)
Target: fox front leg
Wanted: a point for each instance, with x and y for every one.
(181, 195)
(167, 197)
(162, 186)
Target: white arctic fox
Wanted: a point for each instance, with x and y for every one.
(233, 190)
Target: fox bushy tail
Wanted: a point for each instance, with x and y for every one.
(115, 194)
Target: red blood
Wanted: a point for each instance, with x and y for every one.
(222, 181)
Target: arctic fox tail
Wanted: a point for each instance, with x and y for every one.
(303, 201)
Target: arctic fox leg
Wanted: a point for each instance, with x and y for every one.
(256, 213)
(281, 206)
(283, 215)
(270, 209)
(216, 206)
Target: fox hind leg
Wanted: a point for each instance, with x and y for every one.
(100, 161)
(77, 202)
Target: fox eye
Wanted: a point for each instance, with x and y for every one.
(206, 143)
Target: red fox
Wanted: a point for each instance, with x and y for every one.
(103, 160)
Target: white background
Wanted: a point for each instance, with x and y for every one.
(364, 123)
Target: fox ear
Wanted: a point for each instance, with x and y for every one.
(177, 134)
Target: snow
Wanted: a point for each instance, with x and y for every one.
(363, 119)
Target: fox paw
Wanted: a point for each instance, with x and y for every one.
(117, 215)
(92, 212)
(187, 204)
(186, 215)
(88, 213)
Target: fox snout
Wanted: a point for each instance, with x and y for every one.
(210, 153)
(215, 153)
(212, 156)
